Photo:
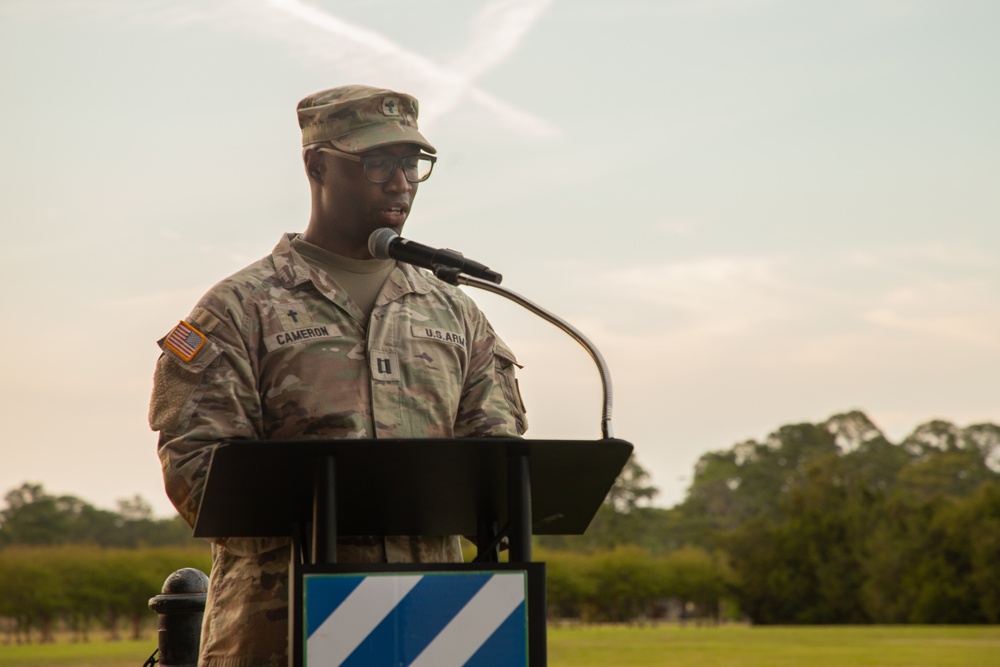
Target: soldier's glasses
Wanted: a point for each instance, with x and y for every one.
(381, 168)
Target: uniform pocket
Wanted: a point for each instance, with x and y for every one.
(505, 365)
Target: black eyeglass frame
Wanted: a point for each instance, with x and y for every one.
(397, 162)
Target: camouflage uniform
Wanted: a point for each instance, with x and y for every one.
(278, 351)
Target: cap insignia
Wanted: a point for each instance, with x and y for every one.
(390, 106)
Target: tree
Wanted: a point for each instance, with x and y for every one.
(625, 582)
(697, 576)
(33, 517)
(984, 546)
(804, 567)
(952, 473)
(41, 585)
(631, 488)
(751, 478)
(135, 509)
(567, 583)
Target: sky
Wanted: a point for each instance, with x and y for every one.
(761, 212)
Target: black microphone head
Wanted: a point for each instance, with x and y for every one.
(378, 242)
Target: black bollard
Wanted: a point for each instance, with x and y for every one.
(181, 608)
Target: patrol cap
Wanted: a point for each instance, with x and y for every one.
(358, 118)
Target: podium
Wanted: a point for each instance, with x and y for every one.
(492, 488)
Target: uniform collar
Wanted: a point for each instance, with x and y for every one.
(289, 266)
(293, 270)
(403, 280)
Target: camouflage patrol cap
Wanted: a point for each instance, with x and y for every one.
(358, 118)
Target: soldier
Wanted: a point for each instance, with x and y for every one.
(320, 340)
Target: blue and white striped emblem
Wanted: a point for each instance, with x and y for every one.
(432, 619)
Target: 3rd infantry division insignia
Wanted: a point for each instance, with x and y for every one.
(185, 341)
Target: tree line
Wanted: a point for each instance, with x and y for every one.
(79, 588)
(34, 517)
(818, 523)
(67, 564)
(832, 523)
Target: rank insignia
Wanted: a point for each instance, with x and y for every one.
(185, 341)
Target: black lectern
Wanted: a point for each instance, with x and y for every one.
(315, 490)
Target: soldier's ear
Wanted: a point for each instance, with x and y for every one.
(314, 164)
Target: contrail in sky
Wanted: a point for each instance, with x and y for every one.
(497, 32)
(369, 39)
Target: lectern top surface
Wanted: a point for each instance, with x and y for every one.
(405, 487)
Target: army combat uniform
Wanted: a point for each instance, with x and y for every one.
(278, 351)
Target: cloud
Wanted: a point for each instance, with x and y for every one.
(958, 310)
(707, 286)
(924, 255)
(899, 296)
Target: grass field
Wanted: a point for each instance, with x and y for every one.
(743, 646)
(666, 645)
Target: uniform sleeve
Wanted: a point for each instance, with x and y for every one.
(198, 401)
(491, 402)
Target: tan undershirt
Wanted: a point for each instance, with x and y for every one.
(362, 279)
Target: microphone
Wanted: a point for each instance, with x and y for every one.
(384, 243)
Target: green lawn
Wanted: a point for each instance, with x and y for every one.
(91, 654)
(667, 645)
(743, 646)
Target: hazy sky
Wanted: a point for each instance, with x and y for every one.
(761, 211)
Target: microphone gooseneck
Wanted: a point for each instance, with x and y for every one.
(449, 265)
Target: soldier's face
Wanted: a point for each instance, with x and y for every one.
(357, 207)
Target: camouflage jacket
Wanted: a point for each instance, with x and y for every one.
(278, 351)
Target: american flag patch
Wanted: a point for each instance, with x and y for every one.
(185, 341)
